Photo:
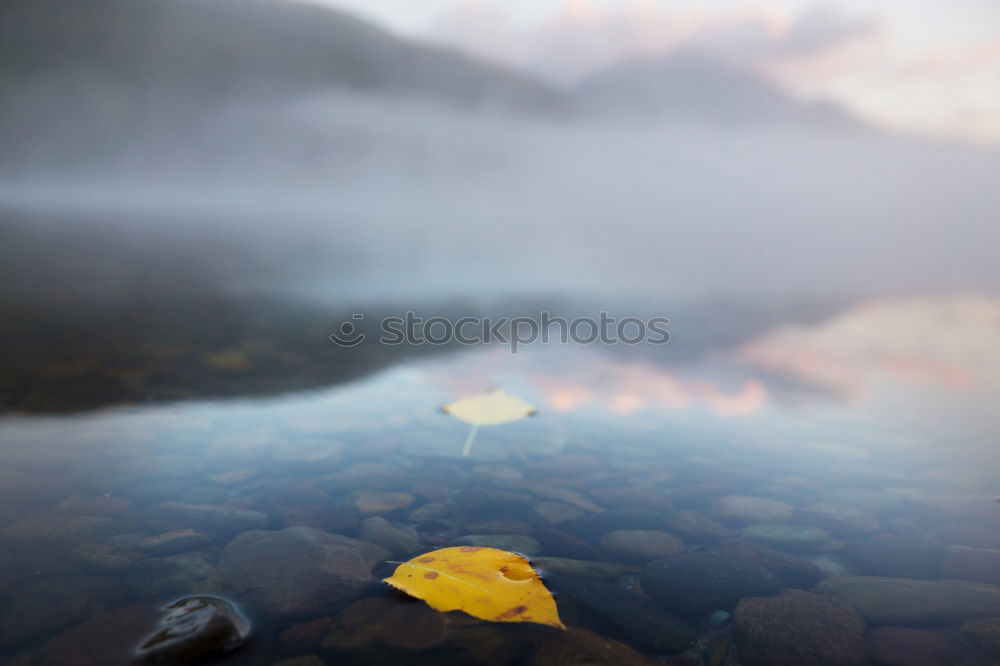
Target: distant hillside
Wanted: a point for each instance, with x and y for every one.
(694, 86)
(79, 77)
(221, 48)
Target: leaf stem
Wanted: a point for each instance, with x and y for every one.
(468, 440)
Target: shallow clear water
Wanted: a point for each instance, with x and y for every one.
(862, 445)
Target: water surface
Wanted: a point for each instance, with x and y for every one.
(859, 445)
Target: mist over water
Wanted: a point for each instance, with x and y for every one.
(344, 197)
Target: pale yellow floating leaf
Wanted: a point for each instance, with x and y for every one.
(493, 408)
(487, 583)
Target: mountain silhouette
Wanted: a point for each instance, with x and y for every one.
(694, 86)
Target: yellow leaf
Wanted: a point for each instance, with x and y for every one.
(493, 408)
(487, 583)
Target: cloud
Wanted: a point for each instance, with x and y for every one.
(582, 36)
(946, 342)
(822, 53)
(822, 30)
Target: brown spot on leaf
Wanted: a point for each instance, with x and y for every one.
(507, 614)
(431, 575)
(426, 559)
(470, 549)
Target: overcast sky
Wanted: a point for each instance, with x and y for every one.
(922, 65)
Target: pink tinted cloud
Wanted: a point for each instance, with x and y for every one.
(945, 342)
(580, 36)
(821, 53)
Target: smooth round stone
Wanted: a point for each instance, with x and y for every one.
(380, 476)
(169, 577)
(304, 660)
(871, 500)
(562, 494)
(557, 512)
(579, 647)
(792, 571)
(561, 566)
(903, 601)
(592, 526)
(498, 527)
(641, 545)
(233, 477)
(307, 455)
(567, 465)
(697, 526)
(800, 482)
(980, 564)
(831, 566)
(394, 630)
(195, 629)
(298, 571)
(503, 474)
(305, 636)
(55, 603)
(105, 555)
(515, 543)
(212, 517)
(839, 518)
(985, 632)
(563, 544)
(430, 511)
(397, 541)
(904, 646)
(718, 618)
(177, 541)
(887, 554)
(747, 510)
(787, 537)
(798, 629)
(93, 506)
(379, 502)
(106, 638)
(56, 531)
(702, 581)
(646, 625)
(626, 496)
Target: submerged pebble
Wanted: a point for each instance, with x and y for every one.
(379, 502)
(980, 564)
(900, 600)
(517, 543)
(647, 626)
(798, 629)
(194, 629)
(640, 546)
(603, 571)
(787, 537)
(177, 541)
(298, 571)
(699, 582)
(984, 632)
(177, 575)
(747, 510)
(905, 646)
(397, 541)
